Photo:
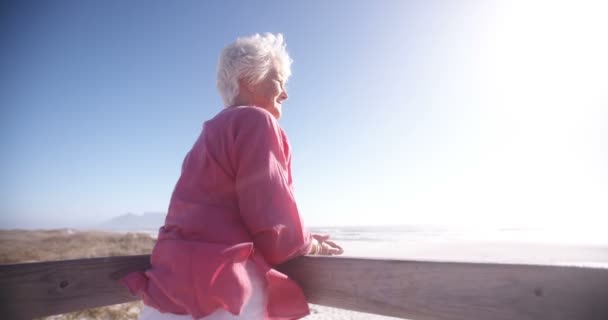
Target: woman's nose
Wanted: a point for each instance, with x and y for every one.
(284, 95)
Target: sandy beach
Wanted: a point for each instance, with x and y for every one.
(318, 312)
(488, 252)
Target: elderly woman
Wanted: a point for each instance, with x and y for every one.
(233, 215)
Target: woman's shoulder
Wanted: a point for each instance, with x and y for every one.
(246, 117)
(249, 112)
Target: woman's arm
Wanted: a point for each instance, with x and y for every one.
(263, 187)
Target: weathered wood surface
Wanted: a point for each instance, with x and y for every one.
(454, 291)
(408, 289)
(46, 288)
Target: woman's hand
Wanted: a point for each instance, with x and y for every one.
(322, 246)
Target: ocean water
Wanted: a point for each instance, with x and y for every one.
(547, 246)
(431, 233)
(586, 247)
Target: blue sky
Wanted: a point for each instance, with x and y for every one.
(468, 112)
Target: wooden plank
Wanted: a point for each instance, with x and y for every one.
(35, 290)
(409, 289)
(454, 291)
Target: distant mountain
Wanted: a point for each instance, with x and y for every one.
(135, 222)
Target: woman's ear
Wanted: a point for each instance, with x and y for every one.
(245, 86)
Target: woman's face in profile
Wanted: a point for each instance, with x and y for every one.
(270, 93)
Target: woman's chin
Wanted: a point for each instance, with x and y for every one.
(276, 112)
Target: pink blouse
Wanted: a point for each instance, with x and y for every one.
(233, 202)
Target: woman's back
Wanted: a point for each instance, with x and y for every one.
(234, 194)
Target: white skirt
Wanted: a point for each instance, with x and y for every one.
(254, 309)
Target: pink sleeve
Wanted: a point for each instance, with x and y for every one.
(263, 187)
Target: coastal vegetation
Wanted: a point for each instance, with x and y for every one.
(22, 246)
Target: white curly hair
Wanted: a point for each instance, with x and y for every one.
(250, 59)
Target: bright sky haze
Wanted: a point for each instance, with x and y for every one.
(400, 112)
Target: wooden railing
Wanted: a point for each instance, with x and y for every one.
(407, 289)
